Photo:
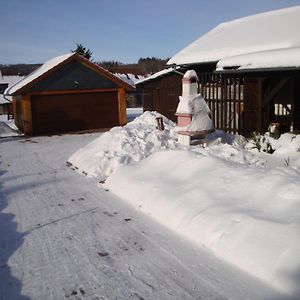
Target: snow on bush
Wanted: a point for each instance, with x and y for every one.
(123, 145)
(281, 152)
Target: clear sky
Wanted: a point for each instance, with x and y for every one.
(33, 31)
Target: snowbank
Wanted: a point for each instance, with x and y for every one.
(241, 203)
(123, 145)
(247, 215)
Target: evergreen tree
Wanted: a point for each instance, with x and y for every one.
(87, 53)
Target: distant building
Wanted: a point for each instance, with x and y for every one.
(5, 101)
(161, 91)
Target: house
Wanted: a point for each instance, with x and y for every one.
(68, 93)
(5, 101)
(249, 71)
(161, 91)
(133, 98)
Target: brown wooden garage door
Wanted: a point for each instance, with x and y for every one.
(73, 112)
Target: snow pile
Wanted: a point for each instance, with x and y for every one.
(123, 145)
(133, 112)
(235, 199)
(247, 215)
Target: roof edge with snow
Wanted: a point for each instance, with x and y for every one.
(280, 59)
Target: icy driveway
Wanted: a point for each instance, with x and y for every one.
(63, 237)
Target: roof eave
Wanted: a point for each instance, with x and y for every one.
(257, 70)
(185, 65)
(145, 81)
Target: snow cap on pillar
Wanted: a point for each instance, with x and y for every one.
(189, 90)
(189, 83)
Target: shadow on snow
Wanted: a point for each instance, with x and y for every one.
(10, 241)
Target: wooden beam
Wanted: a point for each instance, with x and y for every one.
(275, 90)
(73, 92)
(27, 117)
(287, 108)
(122, 106)
(260, 103)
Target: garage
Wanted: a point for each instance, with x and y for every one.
(51, 113)
(69, 93)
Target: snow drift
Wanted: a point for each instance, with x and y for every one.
(239, 202)
(123, 145)
(247, 215)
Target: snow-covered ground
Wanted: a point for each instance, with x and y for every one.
(8, 127)
(63, 236)
(242, 204)
(133, 113)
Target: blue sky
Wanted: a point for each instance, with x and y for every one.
(33, 31)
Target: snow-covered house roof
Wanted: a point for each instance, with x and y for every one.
(51, 65)
(158, 74)
(10, 80)
(130, 78)
(275, 33)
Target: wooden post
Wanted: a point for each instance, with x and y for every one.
(260, 104)
(26, 112)
(122, 106)
(160, 123)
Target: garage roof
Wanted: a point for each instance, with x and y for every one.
(54, 63)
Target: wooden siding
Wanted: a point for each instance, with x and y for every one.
(65, 112)
(162, 95)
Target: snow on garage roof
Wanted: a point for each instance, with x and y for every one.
(278, 29)
(37, 73)
(282, 58)
(54, 62)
